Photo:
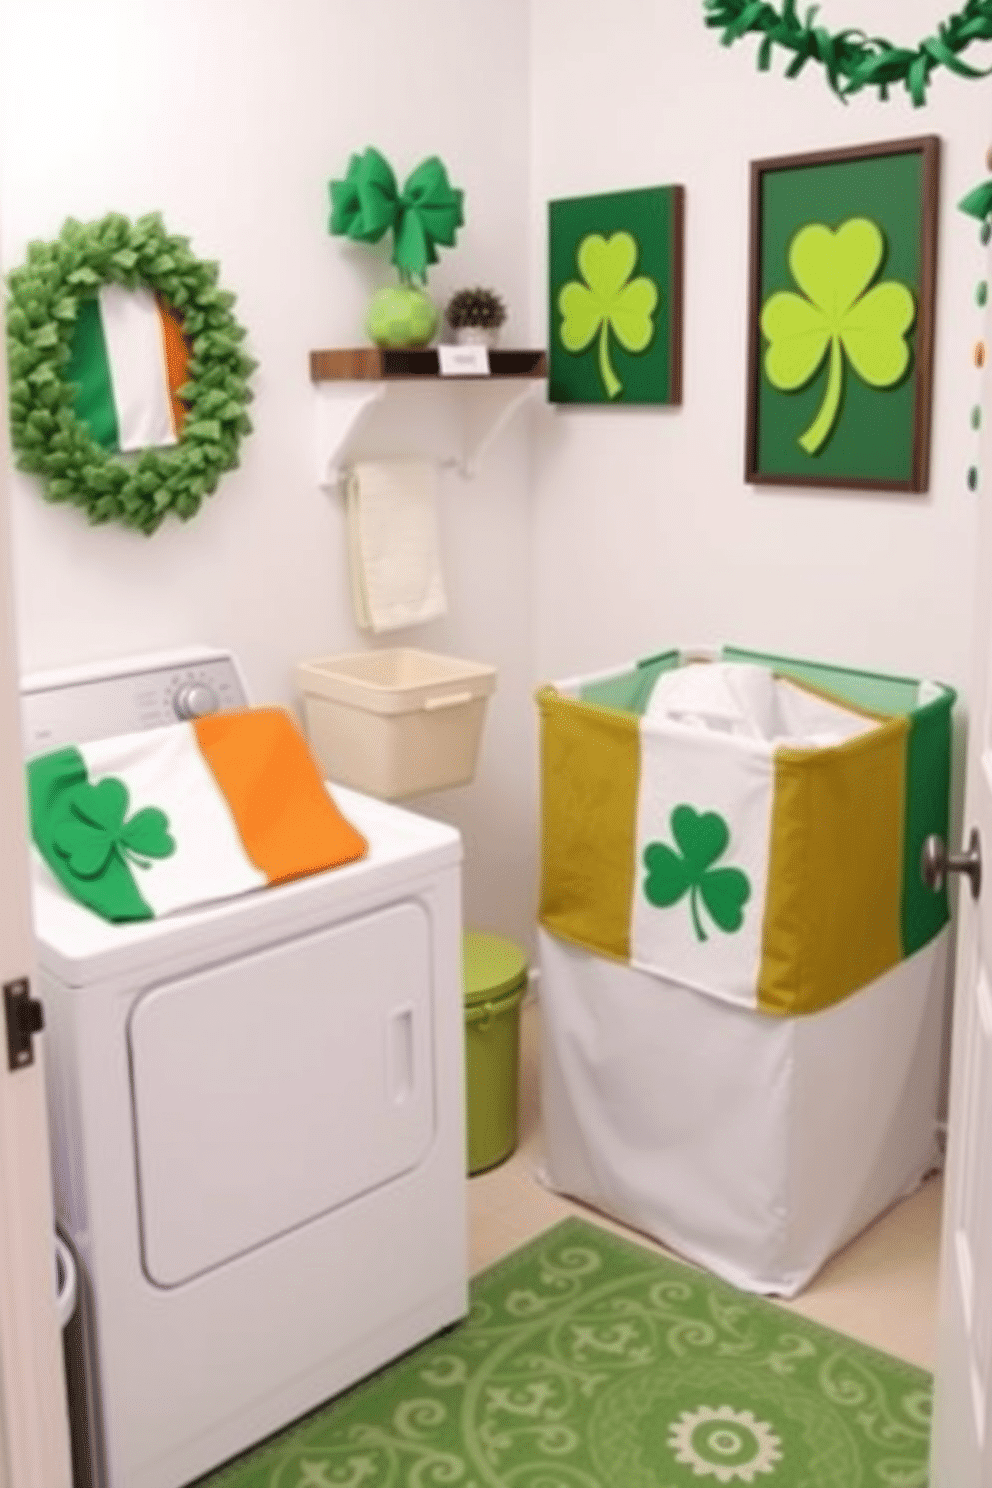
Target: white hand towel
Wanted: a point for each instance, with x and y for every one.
(393, 543)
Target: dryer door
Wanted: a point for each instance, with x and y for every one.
(271, 1089)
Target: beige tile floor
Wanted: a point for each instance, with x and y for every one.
(881, 1288)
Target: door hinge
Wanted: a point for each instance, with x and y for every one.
(25, 1016)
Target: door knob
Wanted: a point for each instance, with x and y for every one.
(936, 862)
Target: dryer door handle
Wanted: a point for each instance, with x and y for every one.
(399, 1055)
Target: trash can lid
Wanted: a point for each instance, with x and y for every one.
(492, 965)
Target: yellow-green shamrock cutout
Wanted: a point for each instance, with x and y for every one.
(701, 838)
(839, 314)
(609, 299)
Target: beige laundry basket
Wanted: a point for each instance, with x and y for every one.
(397, 722)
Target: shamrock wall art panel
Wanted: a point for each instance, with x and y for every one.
(615, 297)
(840, 353)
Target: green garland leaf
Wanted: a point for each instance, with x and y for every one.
(978, 202)
(851, 60)
(49, 441)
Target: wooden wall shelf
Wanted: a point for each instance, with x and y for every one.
(349, 381)
(376, 364)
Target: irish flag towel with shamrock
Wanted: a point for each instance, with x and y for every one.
(144, 824)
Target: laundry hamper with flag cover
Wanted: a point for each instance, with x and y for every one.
(742, 973)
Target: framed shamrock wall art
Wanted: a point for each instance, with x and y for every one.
(615, 297)
(840, 345)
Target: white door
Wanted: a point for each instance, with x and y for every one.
(962, 1438)
(34, 1432)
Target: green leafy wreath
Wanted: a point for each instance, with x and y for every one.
(49, 440)
(851, 59)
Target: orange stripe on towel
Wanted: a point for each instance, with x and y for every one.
(286, 820)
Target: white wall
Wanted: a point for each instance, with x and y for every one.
(230, 117)
(645, 532)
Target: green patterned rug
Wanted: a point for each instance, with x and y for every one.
(589, 1362)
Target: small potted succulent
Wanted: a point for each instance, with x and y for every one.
(475, 315)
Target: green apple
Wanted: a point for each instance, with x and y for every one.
(401, 315)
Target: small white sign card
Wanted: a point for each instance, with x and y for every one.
(463, 361)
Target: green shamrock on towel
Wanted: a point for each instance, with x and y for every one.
(96, 829)
(701, 839)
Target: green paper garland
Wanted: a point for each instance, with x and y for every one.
(50, 441)
(851, 59)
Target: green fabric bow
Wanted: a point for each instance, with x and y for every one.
(428, 211)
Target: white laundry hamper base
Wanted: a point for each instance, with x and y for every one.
(753, 1145)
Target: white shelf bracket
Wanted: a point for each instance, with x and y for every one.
(341, 406)
(486, 412)
(487, 406)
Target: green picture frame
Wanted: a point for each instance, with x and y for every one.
(841, 316)
(615, 266)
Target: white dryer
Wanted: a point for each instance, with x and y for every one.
(257, 1114)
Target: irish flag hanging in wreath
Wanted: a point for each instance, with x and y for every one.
(746, 825)
(128, 361)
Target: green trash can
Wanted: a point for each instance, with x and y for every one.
(495, 980)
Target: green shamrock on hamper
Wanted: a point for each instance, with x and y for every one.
(608, 299)
(95, 830)
(701, 837)
(839, 314)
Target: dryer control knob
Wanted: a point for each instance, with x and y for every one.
(194, 700)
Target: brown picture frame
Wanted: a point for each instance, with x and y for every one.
(880, 435)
